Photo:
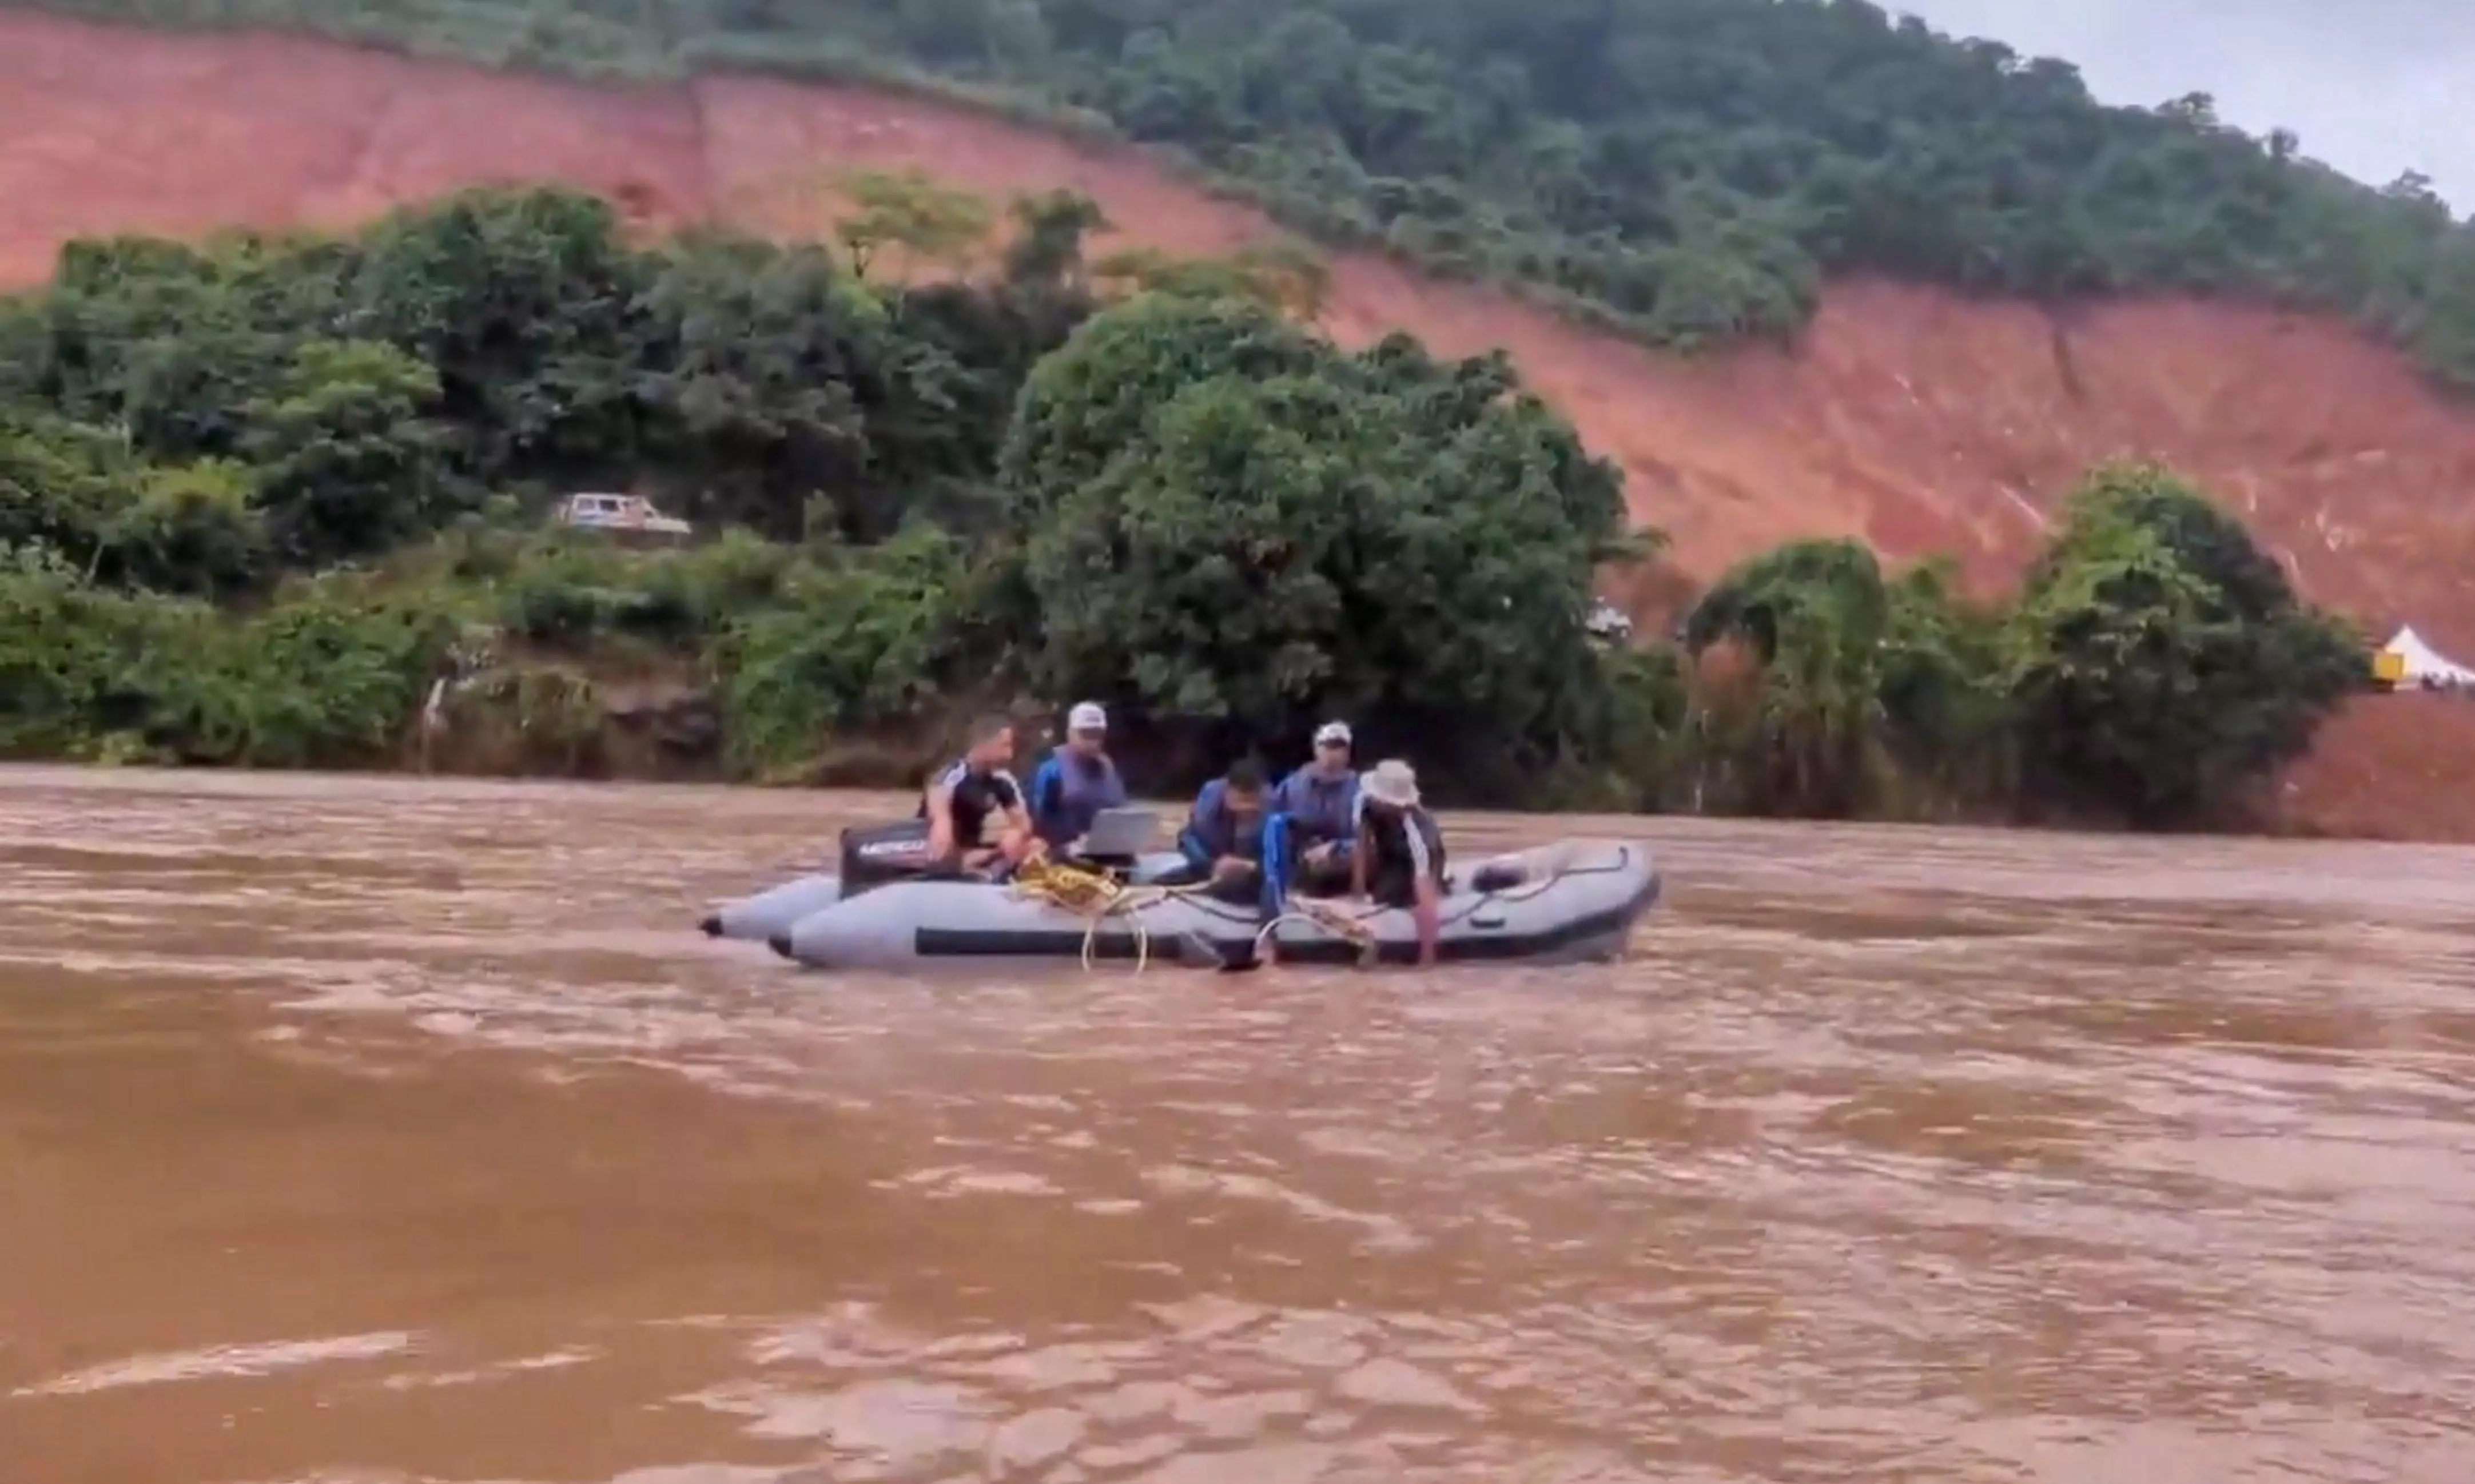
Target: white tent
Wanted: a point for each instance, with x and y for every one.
(2423, 665)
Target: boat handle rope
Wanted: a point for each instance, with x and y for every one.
(1096, 897)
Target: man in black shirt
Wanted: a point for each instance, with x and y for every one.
(974, 809)
(1400, 857)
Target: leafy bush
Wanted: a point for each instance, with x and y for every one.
(321, 681)
(2156, 665)
(66, 648)
(324, 679)
(858, 639)
(2160, 661)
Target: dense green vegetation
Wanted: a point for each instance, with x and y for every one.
(261, 500)
(1684, 169)
(225, 444)
(1222, 515)
(330, 463)
(2155, 664)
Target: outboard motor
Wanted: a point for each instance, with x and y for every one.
(876, 854)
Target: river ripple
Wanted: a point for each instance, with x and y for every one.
(373, 1129)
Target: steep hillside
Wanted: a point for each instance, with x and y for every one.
(1916, 420)
(1920, 421)
(2399, 767)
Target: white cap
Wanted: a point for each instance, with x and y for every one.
(1087, 717)
(1330, 732)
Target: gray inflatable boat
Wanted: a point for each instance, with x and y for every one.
(768, 915)
(1573, 901)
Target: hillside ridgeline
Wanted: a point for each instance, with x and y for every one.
(1683, 169)
(1919, 422)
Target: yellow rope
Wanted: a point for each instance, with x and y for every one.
(1331, 919)
(1099, 897)
(1091, 894)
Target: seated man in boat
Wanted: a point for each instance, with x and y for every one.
(1314, 818)
(1077, 781)
(1400, 857)
(974, 809)
(1223, 838)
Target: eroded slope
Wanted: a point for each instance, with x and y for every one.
(1918, 421)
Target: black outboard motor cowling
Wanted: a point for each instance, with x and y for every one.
(875, 854)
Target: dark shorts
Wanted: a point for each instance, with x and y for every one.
(1331, 878)
(1397, 886)
(1239, 893)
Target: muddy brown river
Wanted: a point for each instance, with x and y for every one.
(375, 1131)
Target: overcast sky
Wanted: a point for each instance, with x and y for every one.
(2368, 83)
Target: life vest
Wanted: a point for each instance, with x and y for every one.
(1321, 809)
(1216, 830)
(1068, 792)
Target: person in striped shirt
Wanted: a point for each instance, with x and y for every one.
(976, 818)
(1400, 857)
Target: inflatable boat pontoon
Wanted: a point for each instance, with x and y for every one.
(768, 915)
(878, 856)
(1573, 901)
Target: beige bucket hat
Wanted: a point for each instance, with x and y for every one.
(1392, 782)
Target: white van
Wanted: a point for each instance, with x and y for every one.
(631, 514)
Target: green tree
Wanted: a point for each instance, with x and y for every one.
(1223, 517)
(1953, 734)
(1097, 395)
(753, 393)
(189, 528)
(56, 483)
(934, 225)
(85, 494)
(1283, 276)
(1816, 617)
(1051, 232)
(866, 638)
(346, 460)
(2160, 662)
(524, 305)
(1876, 694)
(65, 649)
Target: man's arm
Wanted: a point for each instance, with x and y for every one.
(939, 800)
(1278, 801)
(1357, 855)
(1195, 841)
(1009, 794)
(1426, 901)
(1351, 838)
(1287, 795)
(1047, 793)
(1427, 911)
